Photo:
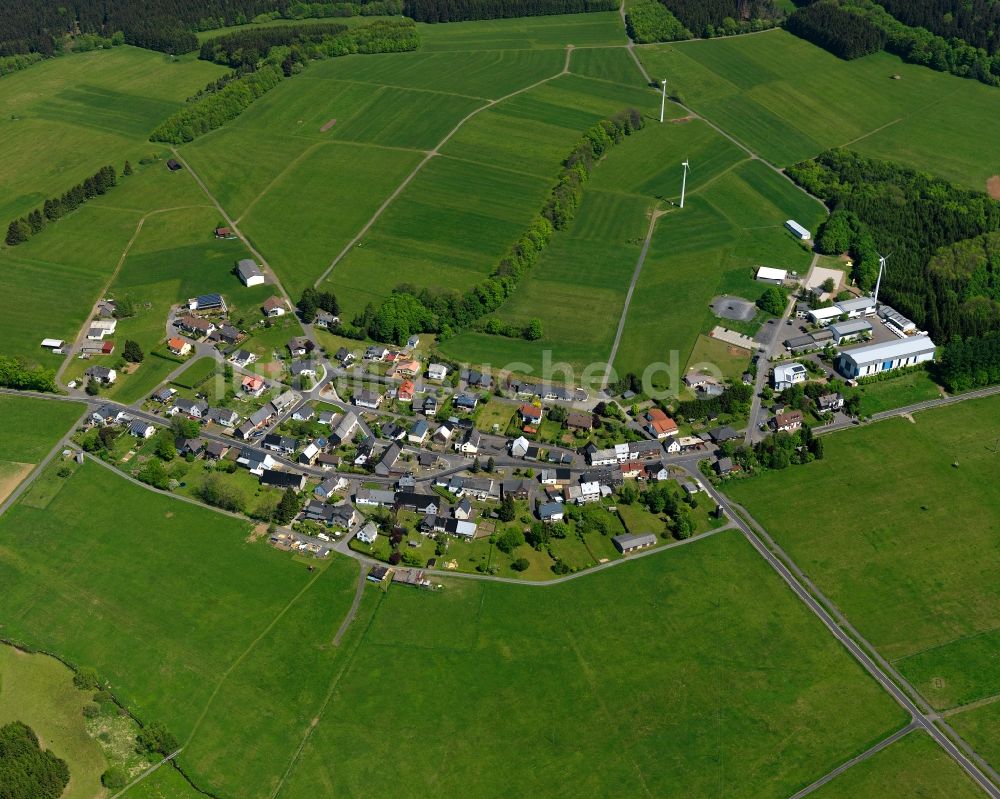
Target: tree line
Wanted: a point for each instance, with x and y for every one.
(411, 309)
(245, 48)
(976, 22)
(734, 400)
(23, 228)
(650, 21)
(225, 99)
(836, 29)
(708, 18)
(915, 219)
(916, 45)
(463, 10)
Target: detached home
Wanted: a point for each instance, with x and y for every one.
(274, 306)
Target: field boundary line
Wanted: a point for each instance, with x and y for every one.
(348, 660)
(432, 154)
(974, 705)
(874, 750)
(931, 648)
(353, 610)
(654, 216)
(288, 167)
(355, 82)
(146, 773)
(107, 285)
(246, 652)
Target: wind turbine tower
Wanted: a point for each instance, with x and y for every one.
(684, 180)
(878, 281)
(663, 99)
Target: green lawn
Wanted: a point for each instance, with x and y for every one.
(902, 390)
(32, 426)
(789, 99)
(39, 691)
(731, 361)
(914, 567)
(913, 766)
(980, 727)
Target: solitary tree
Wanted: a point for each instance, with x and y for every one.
(507, 510)
(128, 168)
(132, 351)
(93, 387)
(772, 301)
(287, 507)
(533, 330)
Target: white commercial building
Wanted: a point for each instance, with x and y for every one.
(896, 321)
(858, 307)
(823, 316)
(788, 374)
(847, 331)
(249, 272)
(799, 231)
(771, 275)
(876, 358)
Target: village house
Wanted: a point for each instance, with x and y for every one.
(390, 462)
(277, 479)
(309, 454)
(284, 401)
(178, 346)
(255, 460)
(140, 428)
(660, 425)
(299, 346)
(300, 369)
(530, 414)
(368, 535)
(102, 374)
(374, 497)
(580, 421)
(788, 422)
(437, 371)
(469, 442)
(196, 327)
(207, 303)
(365, 398)
(194, 409)
(551, 512)
(418, 433)
(408, 368)
(242, 358)
(344, 431)
(226, 417)
(274, 307)
(278, 443)
(344, 357)
(405, 391)
(465, 402)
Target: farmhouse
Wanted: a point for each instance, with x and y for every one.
(207, 302)
(627, 542)
(583, 493)
(876, 358)
(767, 274)
(274, 306)
(849, 331)
(224, 233)
(788, 374)
(178, 346)
(797, 230)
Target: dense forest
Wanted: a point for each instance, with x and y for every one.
(41, 26)
(942, 267)
(26, 770)
(246, 47)
(829, 24)
(709, 18)
(410, 309)
(650, 21)
(972, 363)
(976, 22)
(836, 29)
(462, 10)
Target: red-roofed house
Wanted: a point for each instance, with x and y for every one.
(405, 393)
(660, 425)
(179, 346)
(253, 385)
(530, 414)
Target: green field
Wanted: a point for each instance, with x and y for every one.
(914, 766)
(790, 100)
(916, 570)
(39, 691)
(32, 426)
(229, 621)
(898, 392)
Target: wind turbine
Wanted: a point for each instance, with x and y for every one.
(663, 99)
(687, 166)
(881, 268)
